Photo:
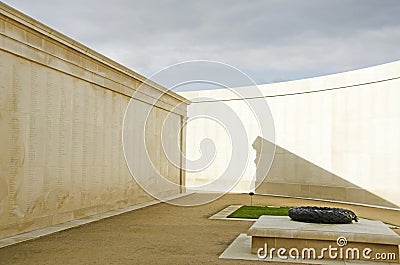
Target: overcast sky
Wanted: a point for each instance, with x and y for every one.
(270, 40)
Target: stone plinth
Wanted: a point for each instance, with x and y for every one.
(365, 240)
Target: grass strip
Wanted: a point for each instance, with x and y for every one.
(254, 212)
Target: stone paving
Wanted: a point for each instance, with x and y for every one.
(160, 234)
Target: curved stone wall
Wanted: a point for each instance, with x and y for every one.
(337, 137)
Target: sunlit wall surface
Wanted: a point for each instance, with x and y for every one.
(337, 137)
(62, 110)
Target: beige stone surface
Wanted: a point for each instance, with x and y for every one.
(319, 245)
(366, 231)
(240, 249)
(62, 109)
(336, 136)
(161, 234)
(281, 232)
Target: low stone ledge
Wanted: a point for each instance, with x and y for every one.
(281, 232)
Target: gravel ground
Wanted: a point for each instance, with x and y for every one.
(159, 234)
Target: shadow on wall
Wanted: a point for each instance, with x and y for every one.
(291, 175)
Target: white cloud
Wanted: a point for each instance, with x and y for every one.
(270, 40)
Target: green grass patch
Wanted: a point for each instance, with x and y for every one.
(254, 212)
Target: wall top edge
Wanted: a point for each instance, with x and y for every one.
(350, 79)
(41, 28)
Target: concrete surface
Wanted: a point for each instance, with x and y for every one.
(362, 231)
(240, 249)
(12, 240)
(281, 232)
(159, 234)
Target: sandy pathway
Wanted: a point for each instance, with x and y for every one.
(159, 234)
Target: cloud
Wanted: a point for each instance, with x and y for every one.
(270, 40)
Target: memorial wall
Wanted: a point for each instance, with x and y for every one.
(336, 136)
(62, 108)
